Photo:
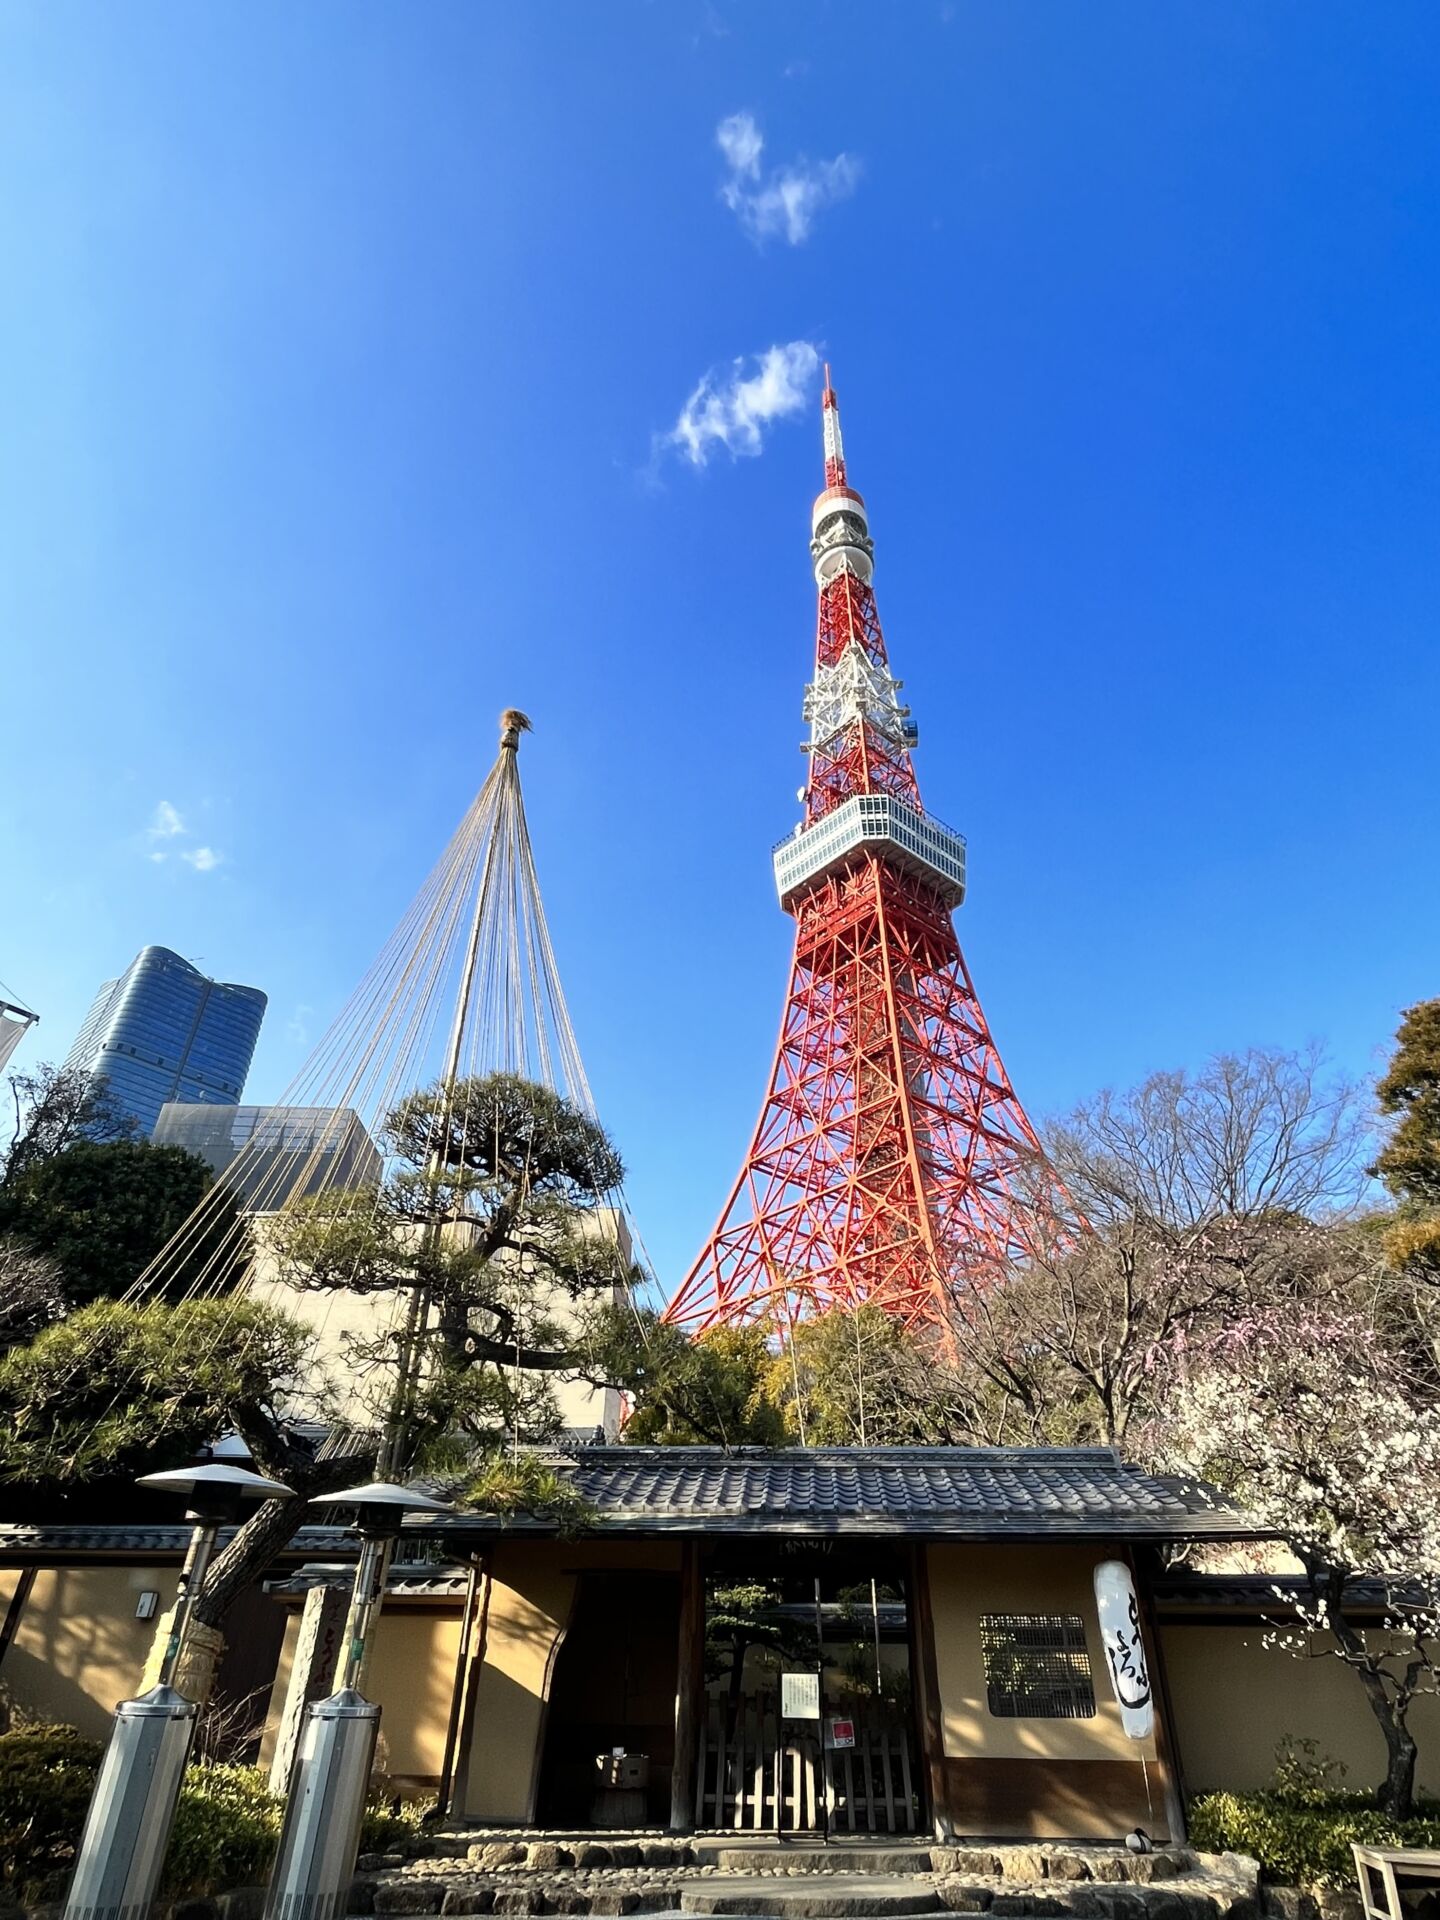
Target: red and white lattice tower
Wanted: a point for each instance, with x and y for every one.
(892, 1164)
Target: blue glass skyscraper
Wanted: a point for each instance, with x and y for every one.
(162, 1031)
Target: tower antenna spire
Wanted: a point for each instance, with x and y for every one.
(830, 422)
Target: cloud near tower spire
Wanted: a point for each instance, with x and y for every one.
(787, 200)
(733, 407)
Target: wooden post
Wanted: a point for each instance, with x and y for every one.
(312, 1674)
(925, 1676)
(16, 1608)
(1167, 1750)
(689, 1688)
(470, 1690)
(444, 1793)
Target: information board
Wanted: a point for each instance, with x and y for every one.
(799, 1696)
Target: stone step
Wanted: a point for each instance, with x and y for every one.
(843, 1896)
(840, 1857)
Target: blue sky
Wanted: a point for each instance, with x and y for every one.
(345, 348)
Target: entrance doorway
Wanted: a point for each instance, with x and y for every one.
(613, 1689)
(834, 1616)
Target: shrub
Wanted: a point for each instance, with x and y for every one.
(226, 1825)
(1302, 1838)
(225, 1833)
(46, 1774)
(386, 1831)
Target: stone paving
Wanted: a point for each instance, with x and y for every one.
(475, 1873)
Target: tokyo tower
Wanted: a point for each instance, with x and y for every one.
(892, 1164)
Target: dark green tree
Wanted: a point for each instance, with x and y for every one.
(494, 1217)
(741, 1614)
(1410, 1162)
(493, 1222)
(684, 1392)
(103, 1210)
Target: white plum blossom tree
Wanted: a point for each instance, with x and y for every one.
(1308, 1419)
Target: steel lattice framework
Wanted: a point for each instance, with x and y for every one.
(892, 1163)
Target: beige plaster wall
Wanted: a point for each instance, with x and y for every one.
(349, 1323)
(410, 1676)
(284, 1667)
(1235, 1699)
(966, 1581)
(529, 1612)
(79, 1649)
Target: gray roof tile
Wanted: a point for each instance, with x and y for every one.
(920, 1491)
(923, 1492)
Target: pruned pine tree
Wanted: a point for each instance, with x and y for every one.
(490, 1219)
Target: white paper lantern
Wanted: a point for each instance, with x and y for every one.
(1124, 1645)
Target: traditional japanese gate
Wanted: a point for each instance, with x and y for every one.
(756, 1773)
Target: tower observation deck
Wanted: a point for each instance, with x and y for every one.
(892, 1164)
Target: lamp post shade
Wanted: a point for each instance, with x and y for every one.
(382, 1503)
(218, 1479)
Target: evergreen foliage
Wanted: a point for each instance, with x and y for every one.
(227, 1822)
(103, 1210)
(705, 1392)
(491, 1214)
(116, 1390)
(1409, 1165)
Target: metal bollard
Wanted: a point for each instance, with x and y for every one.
(321, 1834)
(132, 1808)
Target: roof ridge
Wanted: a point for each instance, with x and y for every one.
(650, 1450)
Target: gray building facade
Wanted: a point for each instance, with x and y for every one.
(268, 1156)
(163, 1031)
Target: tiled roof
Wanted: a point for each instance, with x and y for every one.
(1263, 1593)
(132, 1537)
(401, 1583)
(925, 1492)
(932, 1493)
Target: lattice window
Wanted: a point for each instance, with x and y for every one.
(1037, 1666)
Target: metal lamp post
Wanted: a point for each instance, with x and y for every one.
(132, 1809)
(321, 1835)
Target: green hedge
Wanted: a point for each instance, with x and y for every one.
(1304, 1839)
(226, 1825)
(46, 1774)
(226, 1829)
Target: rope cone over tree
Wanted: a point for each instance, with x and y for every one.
(478, 1226)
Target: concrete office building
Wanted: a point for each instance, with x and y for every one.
(268, 1156)
(163, 1031)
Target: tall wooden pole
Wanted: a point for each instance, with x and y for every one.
(925, 1676)
(1167, 1754)
(689, 1688)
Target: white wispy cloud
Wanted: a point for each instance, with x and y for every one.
(165, 822)
(297, 1027)
(732, 407)
(785, 200)
(742, 143)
